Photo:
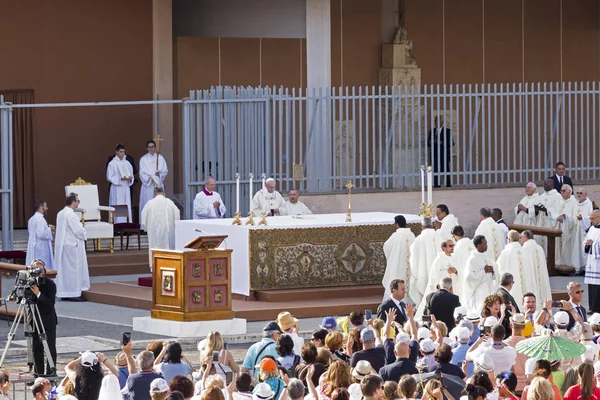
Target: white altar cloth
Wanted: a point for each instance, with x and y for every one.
(237, 240)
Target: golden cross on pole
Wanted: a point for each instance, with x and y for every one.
(157, 140)
(349, 186)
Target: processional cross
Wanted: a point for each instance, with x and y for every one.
(157, 140)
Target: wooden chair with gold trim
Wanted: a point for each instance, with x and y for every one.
(90, 212)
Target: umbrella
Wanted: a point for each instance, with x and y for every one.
(451, 383)
(550, 348)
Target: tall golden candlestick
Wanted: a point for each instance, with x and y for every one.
(349, 186)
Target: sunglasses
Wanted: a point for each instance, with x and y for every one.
(579, 192)
(579, 292)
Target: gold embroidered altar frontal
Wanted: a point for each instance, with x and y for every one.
(319, 257)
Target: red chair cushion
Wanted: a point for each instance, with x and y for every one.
(126, 225)
(13, 254)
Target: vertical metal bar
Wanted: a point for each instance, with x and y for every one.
(538, 152)
(526, 131)
(513, 162)
(360, 136)
(521, 129)
(326, 157)
(288, 139)
(413, 160)
(503, 175)
(595, 129)
(372, 150)
(340, 134)
(567, 104)
(451, 163)
(280, 123)
(576, 128)
(380, 152)
(497, 177)
(294, 158)
(546, 136)
(469, 160)
(462, 146)
(186, 158)
(588, 175)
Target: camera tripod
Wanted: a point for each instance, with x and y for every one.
(30, 314)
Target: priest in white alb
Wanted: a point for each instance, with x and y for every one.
(565, 215)
(153, 171)
(591, 247)
(583, 209)
(208, 203)
(268, 200)
(525, 210)
(540, 284)
(493, 233)
(39, 245)
(448, 221)
(462, 251)
(480, 275)
(158, 219)
(422, 253)
(443, 266)
(545, 210)
(512, 260)
(294, 206)
(70, 259)
(120, 174)
(397, 254)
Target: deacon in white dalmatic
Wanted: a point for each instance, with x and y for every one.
(422, 253)
(70, 258)
(525, 210)
(540, 285)
(513, 260)
(208, 203)
(591, 247)
(158, 219)
(493, 233)
(39, 245)
(152, 173)
(462, 251)
(268, 200)
(294, 206)
(565, 215)
(443, 266)
(545, 210)
(397, 254)
(120, 174)
(480, 275)
(583, 209)
(448, 221)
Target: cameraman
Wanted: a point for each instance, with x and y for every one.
(45, 297)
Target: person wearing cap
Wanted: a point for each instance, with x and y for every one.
(269, 374)
(480, 277)
(474, 318)
(402, 365)
(289, 325)
(329, 323)
(397, 251)
(427, 349)
(159, 389)
(268, 200)
(86, 373)
(265, 347)
(503, 356)
(374, 355)
(442, 303)
(517, 325)
(462, 334)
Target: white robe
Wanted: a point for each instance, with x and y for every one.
(204, 208)
(265, 201)
(438, 271)
(494, 234)
(397, 254)
(119, 189)
(422, 253)
(584, 209)
(592, 267)
(70, 259)
(478, 283)
(158, 219)
(449, 222)
(564, 246)
(512, 260)
(147, 172)
(462, 252)
(527, 218)
(39, 245)
(549, 200)
(299, 208)
(540, 286)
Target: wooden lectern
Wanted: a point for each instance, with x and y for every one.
(192, 285)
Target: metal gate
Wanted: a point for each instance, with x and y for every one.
(6, 174)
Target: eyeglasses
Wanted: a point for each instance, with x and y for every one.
(579, 192)
(579, 291)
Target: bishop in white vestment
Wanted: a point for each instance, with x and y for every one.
(583, 209)
(158, 219)
(591, 247)
(525, 210)
(120, 174)
(268, 200)
(294, 206)
(512, 260)
(70, 258)
(480, 275)
(448, 220)
(208, 203)
(151, 174)
(565, 215)
(39, 245)
(422, 253)
(544, 217)
(443, 266)
(397, 254)
(540, 285)
(493, 233)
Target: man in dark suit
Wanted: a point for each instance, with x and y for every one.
(402, 365)
(398, 290)
(44, 297)
(507, 282)
(442, 303)
(440, 145)
(575, 297)
(560, 178)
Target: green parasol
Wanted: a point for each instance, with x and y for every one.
(550, 348)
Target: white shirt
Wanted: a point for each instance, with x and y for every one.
(503, 358)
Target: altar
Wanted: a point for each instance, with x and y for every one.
(318, 250)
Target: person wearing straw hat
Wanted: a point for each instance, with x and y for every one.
(289, 325)
(517, 324)
(361, 370)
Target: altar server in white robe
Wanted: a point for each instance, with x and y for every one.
(591, 247)
(512, 260)
(70, 257)
(480, 275)
(448, 220)
(294, 206)
(158, 219)
(544, 215)
(150, 175)
(494, 234)
(540, 284)
(397, 254)
(39, 245)
(525, 211)
(565, 215)
(422, 253)
(462, 251)
(120, 174)
(583, 209)
(444, 265)
(208, 203)
(268, 200)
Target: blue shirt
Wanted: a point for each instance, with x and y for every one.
(459, 355)
(123, 374)
(171, 370)
(253, 357)
(475, 335)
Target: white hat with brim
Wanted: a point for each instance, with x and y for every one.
(484, 362)
(262, 392)
(362, 369)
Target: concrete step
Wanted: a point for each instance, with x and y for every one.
(320, 293)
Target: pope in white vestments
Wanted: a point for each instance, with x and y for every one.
(448, 220)
(208, 203)
(151, 174)
(512, 260)
(268, 200)
(443, 266)
(544, 219)
(39, 245)
(120, 174)
(480, 274)
(158, 219)
(591, 247)
(294, 206)
(525, 211)
(70, 259)
(540, 285)
(494, 234)
(565, 215)
(583, 209)
(422, 253)
(397, 254)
